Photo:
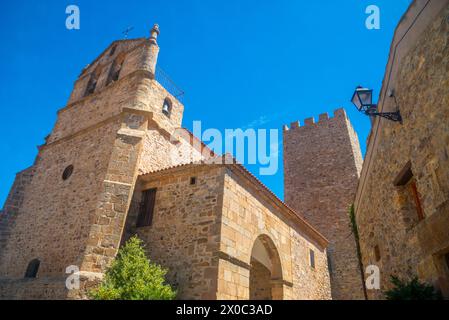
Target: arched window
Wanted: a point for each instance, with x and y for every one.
(92, 84)
(111, 53)
(32, 269)
(166, 108)
(116, 68)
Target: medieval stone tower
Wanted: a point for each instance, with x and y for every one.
(322, 163)
(69, 208)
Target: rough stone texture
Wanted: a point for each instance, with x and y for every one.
(260, 281)
(322, 162)
(249, 216)
(185, 229)
(418, 71)
(79, 221)
(205, 235)
(104, 63)
(53, 222)
(8, 215)
(36, 289)
(161, 151)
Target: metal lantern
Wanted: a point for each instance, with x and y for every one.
(363, 101)
(362, 98)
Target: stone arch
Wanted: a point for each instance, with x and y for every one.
(265, 277)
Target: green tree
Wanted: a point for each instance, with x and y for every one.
(411, 290)
(132, 276)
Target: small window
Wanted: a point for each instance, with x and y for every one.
(193, 180)
(145, 217)
(312, 259)
(166, 108)
(404, 176)
(67, 172)
(377, 253)
(32, 269)
(407, 183)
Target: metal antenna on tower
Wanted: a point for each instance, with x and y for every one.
(127, 31)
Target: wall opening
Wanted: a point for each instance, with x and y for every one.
(67, 172)
(116, 68)
(167, 106)
(93, 80)
(409, 197)
(111, 53)
(312, 258)
(377, 255)
(146, 211)
(265, 280)
(32, 269)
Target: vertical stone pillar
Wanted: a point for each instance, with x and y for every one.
(115, 198)
(277, 289)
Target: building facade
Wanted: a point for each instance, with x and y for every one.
(402, 202)
(322, 163)
(119, 163)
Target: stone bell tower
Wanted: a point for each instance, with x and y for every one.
(69, 208)
(322, 164)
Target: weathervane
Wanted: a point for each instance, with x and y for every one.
(127, 31)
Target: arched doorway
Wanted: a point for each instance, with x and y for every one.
(265, 278)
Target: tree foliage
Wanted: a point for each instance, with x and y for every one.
(411, 290)
(132, 276)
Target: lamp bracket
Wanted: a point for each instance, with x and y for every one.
(392, 116)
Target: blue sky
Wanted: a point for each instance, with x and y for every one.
(241, 63)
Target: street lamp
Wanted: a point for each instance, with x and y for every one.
(363, 101)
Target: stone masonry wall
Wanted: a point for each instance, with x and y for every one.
(247, 216)
(79, 221)
(160, 152)
(12, 205)
(260, 279)
(184, 234)
(387, 214)
(322, 162)
(55, 217)
(129, 48)
(136, 89)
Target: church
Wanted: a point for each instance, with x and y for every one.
(118, 163)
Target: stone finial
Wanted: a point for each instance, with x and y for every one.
(154, 33)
